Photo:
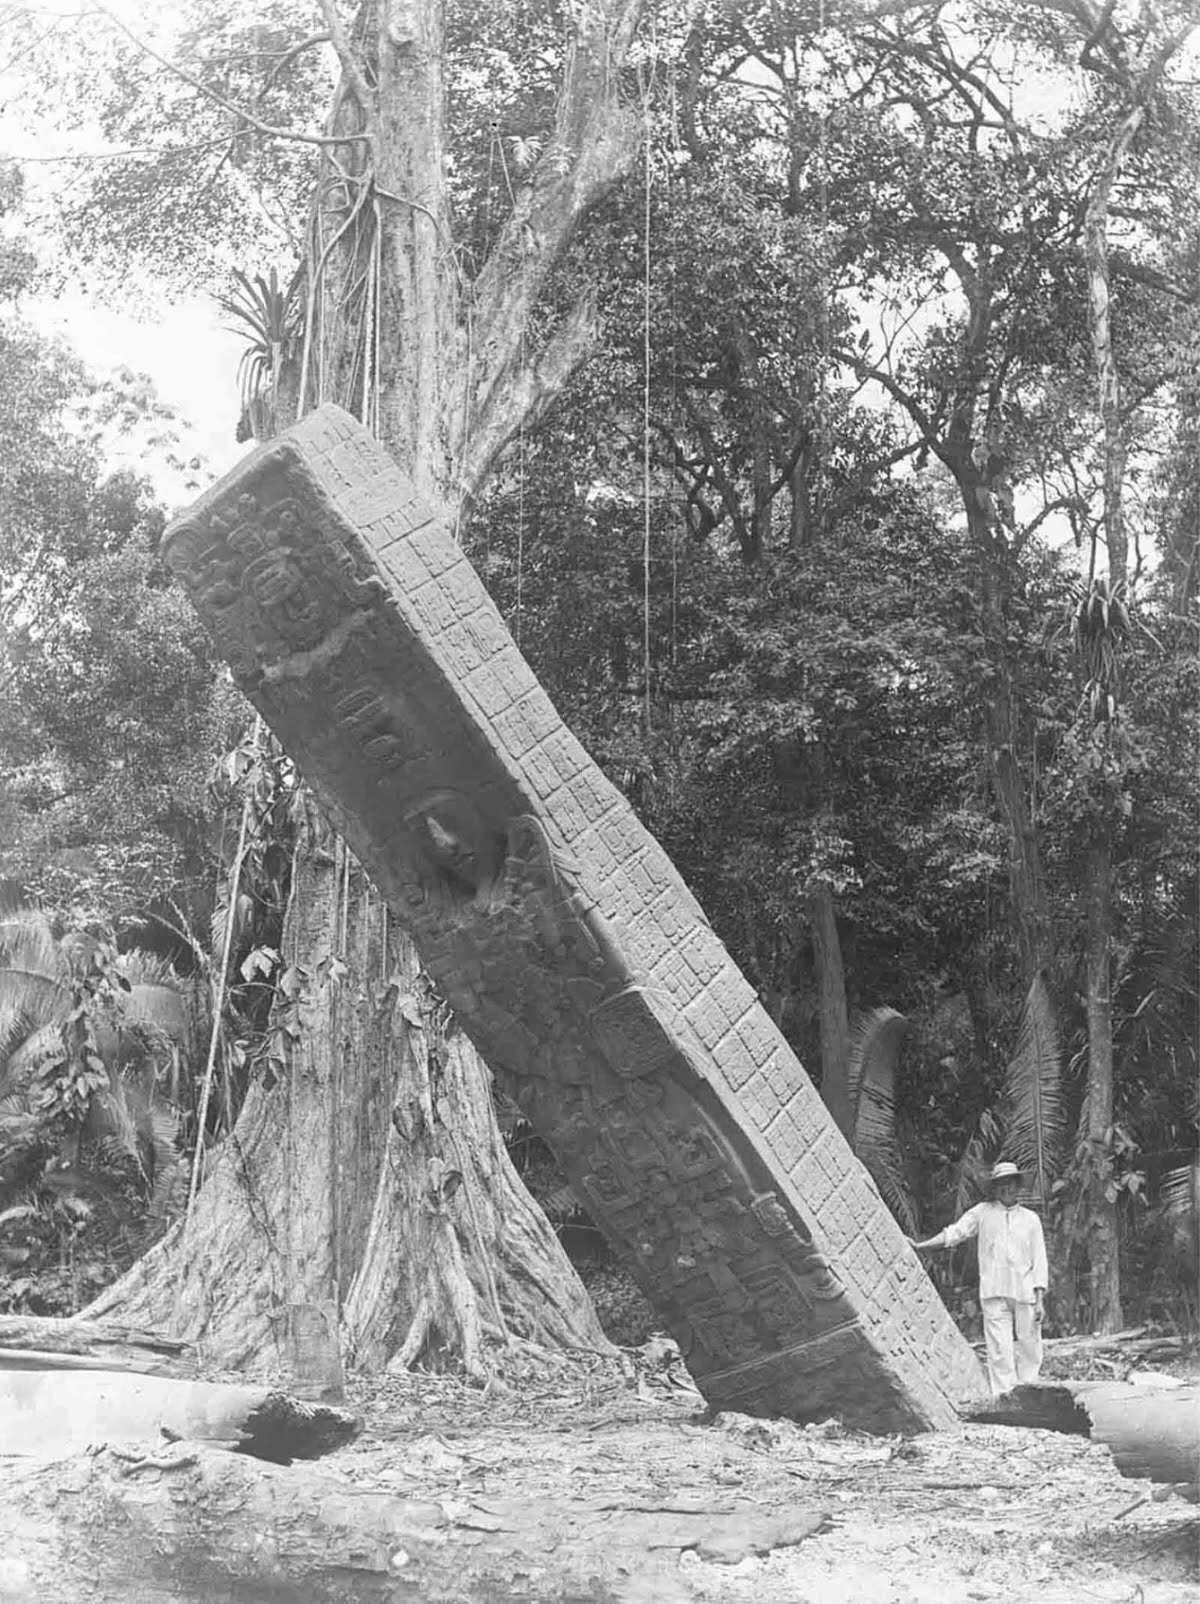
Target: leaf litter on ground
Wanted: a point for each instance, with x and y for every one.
(750, 1511)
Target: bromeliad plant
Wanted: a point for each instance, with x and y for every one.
(1100, 627)
(269, 316)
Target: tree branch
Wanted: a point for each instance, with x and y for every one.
(297, 50)
(218, 99)
(1095, 236)
(1065, 503)
(939, 59)
(726, 489)
(524, 393)
(593, 146)
(351, 66)
(87, 156)
(693, 475)
(906, 400)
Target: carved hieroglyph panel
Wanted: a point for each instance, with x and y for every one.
(565, 940)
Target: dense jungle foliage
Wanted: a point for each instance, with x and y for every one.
(861, 554)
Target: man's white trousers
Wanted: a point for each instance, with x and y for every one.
(1014, 1343)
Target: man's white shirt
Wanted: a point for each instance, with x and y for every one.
(1012, 1249)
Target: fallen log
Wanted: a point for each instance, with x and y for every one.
(188, 1524)
(51, 1413)
(1153, 1432)
(1134, 1344)
(1041, 1405)
(1150, 1433)
(49, 1344)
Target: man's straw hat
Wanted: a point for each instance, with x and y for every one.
(1004, 1171)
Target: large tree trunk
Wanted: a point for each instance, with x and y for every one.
(1099, 1203)
(1100, 1216)
(372, 1178)
(286, 1200)
(447, 373)
(1027, 885)
(831, 1007)
(456, 1253)
(459, 1260)
(1027, 882)
(337, 1195)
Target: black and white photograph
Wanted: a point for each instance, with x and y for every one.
(599, 801)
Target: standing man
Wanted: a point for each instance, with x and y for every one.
(1012, 1278)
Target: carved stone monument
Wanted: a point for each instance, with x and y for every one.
(567, 944)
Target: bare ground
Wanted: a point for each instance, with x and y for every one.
(595, 1482)
(738, 1511)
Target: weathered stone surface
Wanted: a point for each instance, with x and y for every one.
(566, 942)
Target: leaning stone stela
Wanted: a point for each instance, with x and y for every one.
(569, 947)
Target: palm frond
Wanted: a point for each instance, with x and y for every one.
(875, 1040)
(562, 1207)
(118, 1113)
(876, 1036)
(34, 974)
(158, 1009)
(169, 1191)
(35, 985)
(1032, 1105)
(21, 1125)
(159, 1003)
(980, 1154)
(30, 995)
(28, 933)
(1179, 1192)
(15, 1103)
(17, 1026)
(161, 1127)
(1157, 996)
(149, 968)
(27, 1061)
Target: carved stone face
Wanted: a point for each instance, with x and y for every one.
(453, 841)
(455, 856)
(272, 578)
